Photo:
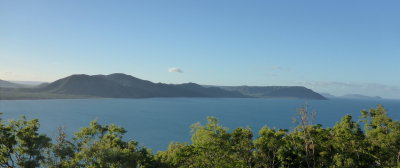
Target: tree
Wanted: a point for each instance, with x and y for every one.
(177, 155)
(241, 142)
(100, 146)
(211, 145)
(305, 121)
(269, 147)
(383, 134)
(62, 152)
(349, 144)
(21, 145)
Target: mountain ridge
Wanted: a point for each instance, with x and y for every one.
(295, 92)
(119, 85)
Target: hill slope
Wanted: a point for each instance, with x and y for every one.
(296, 92)
(120, 85)
(126, 86)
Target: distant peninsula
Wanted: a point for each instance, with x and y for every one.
(290, 92)
(120, 85)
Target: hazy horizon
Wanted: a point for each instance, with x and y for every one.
(337, 47)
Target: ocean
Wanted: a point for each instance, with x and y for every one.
(155, 122)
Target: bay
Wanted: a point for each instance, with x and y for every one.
(156, 122)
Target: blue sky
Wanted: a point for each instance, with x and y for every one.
(337, 46)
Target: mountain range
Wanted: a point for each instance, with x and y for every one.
(120, 85)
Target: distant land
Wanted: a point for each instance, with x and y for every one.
(359, 96)
(28, 83)
(290, 92)
(19, 84)
(8, 84)
(351, 96)
(120, 85)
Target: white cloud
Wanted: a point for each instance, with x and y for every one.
(175, 69)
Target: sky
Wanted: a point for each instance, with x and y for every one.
(338, 47)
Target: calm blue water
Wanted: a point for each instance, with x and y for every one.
(158, 121)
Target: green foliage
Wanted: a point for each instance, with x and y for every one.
(383, 136)
(96, 146)
(270, 147)
(177, 155)
(61, 152)
(349, 144)
(21, 145)
(345, 145)
(100, 146)
(242, 147)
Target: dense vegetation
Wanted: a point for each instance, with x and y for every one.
(344, 145)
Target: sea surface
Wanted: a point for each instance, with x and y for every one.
(156, 122)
